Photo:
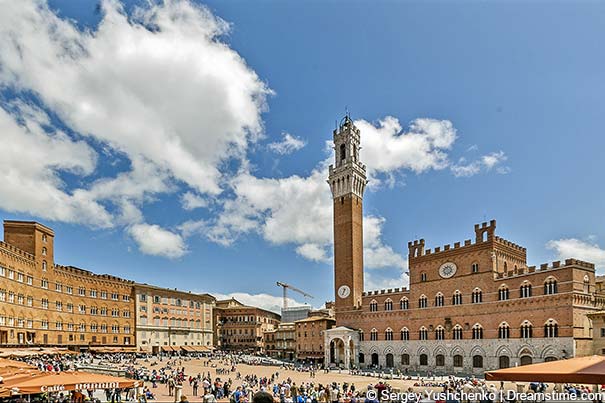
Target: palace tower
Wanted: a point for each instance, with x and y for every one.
(347, 181)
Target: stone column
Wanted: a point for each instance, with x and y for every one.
(347, 350)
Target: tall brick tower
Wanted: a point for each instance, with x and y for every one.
(347, 181)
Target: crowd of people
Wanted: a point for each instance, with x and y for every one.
(218, 377)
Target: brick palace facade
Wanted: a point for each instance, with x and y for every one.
(43, 303)
(470, 307)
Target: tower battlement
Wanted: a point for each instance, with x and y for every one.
(485, 234)
(522, 271)
(510, 244)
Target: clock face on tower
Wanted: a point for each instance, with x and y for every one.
(447, 270)
(344, 291)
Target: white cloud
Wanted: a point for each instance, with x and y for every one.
(31, 158)
(154, 240)
(158, 88)
(191, 201)
(484, 163)
(314, 252)
(375, 281)
(287, 145)
(388, 148)
(566, 248)
(261, 300)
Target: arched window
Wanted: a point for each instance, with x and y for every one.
(44, 265)
(440, 360)
(405, 359)
(343, 152)
(405, 334)
(388, 304)
(423, 277)
(503, 293)
(526, 360)
(525, 290)
(550, 286)
(374, 335)
(424, 359)
(526, 330)
(375, 359)
(551, 328)
(422, 302)
(477, 296)
(439, 333)
(439, 299)
(586, 284)
(477, 331)
(373, 306)
(458, 361)
(44, 251)
(503, 362)
(477, 361)
(503, 331)
(457, 332)
(423, 333)
(457, 298)
(389, 360)
(475, 267)
(404, 303)
(361, 335)
(388, 334)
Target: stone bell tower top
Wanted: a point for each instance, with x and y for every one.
(348, 174)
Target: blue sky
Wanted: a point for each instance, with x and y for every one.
(184, 145)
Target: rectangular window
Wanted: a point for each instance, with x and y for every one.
(69, 290)
(20, 277)
(603, 332)
(44, 303)
(93, 293)
(59, 305)
(11, 274)
(103, 294)
(44, 283)
(2, 271)
(58, 287)
(82, 291)
(30, 280)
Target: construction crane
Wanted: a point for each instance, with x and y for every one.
(286, 286)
